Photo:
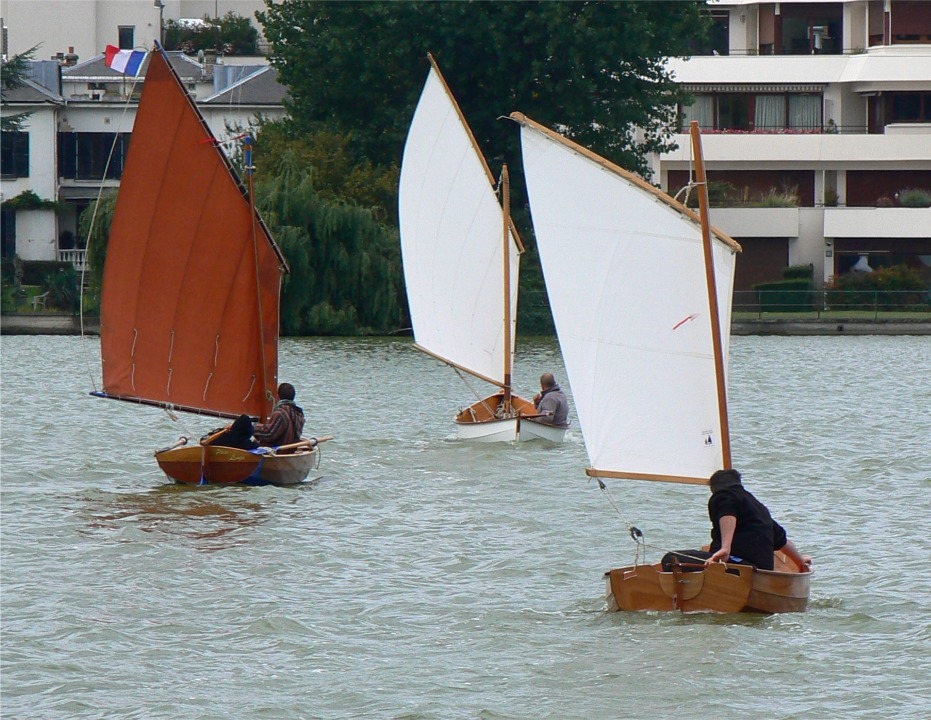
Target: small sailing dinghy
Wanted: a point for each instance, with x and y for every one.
(461, 255)
(190, 300)
(641, 297)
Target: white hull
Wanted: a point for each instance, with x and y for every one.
(531, 430)
(489, 431)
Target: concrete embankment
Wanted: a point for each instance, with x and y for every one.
(47, 324)
(61, 324)
(825, 326)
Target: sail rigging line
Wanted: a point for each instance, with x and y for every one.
(636, 534)
(93, 222)
(472, 389)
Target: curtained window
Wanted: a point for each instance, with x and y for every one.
(805, 112)
(702, 110)
(770, 112)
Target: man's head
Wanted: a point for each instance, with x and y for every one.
(286, 391)
(724, 479)
(547, 380)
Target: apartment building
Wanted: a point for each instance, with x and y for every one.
(81, 117)
(829, 102)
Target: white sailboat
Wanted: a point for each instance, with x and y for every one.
(461, 256)
(640, 290)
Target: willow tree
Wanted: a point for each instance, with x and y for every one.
(94, 224)
(345, 263)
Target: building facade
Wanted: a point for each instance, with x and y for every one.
(816, 122)
(76, 137)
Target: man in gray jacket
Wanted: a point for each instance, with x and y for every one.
(551, 402)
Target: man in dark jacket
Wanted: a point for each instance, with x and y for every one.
(742, 530)
(286, 422)
(237, 435)
(551, 403)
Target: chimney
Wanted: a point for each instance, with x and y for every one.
(71, 59)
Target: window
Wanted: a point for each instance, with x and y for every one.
(805, 112)
(717, 42)
(755, 112)
(83, 156)
(770, 112)
(909, 108)
(7, 234)
(14, 154)
(127, 37)
(702, 110)
(734, 111)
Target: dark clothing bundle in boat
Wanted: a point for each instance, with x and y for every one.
(238, 436)
(554, 406)
(756, 537)
(284, 426)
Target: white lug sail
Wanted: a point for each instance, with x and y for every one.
(452, 240)
(625, 275)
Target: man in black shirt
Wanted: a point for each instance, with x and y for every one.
(742, 530)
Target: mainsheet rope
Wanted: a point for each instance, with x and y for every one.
(636, 534)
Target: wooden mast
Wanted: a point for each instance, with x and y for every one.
(250, 173)
(506, 203)
(712, 294)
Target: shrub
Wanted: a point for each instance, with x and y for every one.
(799, 272)
(62, 288)
(787, 197)
(887, 288)
(785, 296)
(914, 197)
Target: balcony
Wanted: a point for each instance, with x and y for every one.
(757, 222)
(865, 222)
(77, 257)
(892, 151)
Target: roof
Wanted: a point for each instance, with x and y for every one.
(31, 93)
(96, 70)
(258, 88)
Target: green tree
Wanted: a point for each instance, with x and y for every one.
(13, 75)
(592, 69)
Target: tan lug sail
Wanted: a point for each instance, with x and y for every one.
(190, 301)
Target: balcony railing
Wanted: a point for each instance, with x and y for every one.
(832, 303)
(77, 257)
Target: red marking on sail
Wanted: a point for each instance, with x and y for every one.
(682, 322)
(180, 314)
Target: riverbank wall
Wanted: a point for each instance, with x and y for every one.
(62, 324)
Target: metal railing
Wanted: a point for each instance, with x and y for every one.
(866, 303)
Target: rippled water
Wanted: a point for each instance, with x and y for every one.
(421, 577)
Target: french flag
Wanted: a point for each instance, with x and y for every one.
(128, 62)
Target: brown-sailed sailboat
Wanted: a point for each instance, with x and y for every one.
(641, 296)
(190, 300)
